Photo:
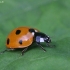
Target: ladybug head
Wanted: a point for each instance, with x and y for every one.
(47, 39)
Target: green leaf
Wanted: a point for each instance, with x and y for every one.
(51, 17)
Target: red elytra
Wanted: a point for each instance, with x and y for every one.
(19, 38)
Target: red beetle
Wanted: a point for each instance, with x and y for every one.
(23, 37)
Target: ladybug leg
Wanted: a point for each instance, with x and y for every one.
(10, 49)
(3, 51)
(24, 50)
(38, 40)
(38, 43)
(49, 45)
(6, 50)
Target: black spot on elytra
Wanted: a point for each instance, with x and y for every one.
(18, 32)
(8, 40)
(31, 30)
(20, 42)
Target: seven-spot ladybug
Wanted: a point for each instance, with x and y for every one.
(23, 37)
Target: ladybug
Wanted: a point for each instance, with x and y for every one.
(23, 37)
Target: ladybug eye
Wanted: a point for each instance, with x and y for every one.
(8, 41)
(18, 32)
(20, 42)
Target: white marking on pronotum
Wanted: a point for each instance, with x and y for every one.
(33, 33)
(36, 31)
(41, 40)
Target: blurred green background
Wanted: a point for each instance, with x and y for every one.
(49, 16)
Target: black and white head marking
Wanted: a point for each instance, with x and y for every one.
(41, 39)
(36, 31)
(33, 33)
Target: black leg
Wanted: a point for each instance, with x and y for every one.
(49, 45)
(6, 50)
(24, 50)
(40, 46)
(3, 51)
